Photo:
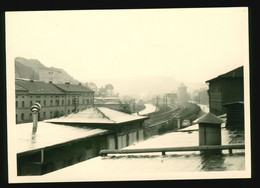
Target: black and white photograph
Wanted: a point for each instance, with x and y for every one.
(128, 94)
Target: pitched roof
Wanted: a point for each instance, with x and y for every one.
(235, 73)
(19, 88)
(210, 119)
(49, 134)
(98, 115)
(36, 87)
(73, 88)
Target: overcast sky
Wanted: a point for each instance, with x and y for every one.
(191, 45)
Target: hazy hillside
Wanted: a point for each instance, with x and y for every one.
(34, 69)
(22, 71)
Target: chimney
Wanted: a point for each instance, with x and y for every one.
(35, 109)
(210, 130)
(67, 83)
(50, 82)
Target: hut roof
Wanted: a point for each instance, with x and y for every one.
(210, 119)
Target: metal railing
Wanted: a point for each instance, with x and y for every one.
(173, 149)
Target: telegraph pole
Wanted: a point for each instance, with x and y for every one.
(134, 105)
(166, 102)
(157, 102)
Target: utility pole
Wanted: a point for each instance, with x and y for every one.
(157, 102)
(134, 105)
(166, 102)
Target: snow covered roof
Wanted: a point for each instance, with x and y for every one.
(98, 115)
(48, 134)
(154, 166)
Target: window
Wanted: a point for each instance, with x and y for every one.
(57, 102)
(62, 102)
(68, 111)
(44, 115)
(30, 116)
(44, 103)
(31, 103)
(51, 102)
(50, 114)
(22, 103)
(16, 104)
(87, 101)
(22, 116)
(68, 102)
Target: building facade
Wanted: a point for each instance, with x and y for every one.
(182, 94)
(77, 97)
(55, 101)
(226, 95)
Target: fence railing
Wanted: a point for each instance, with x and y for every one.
(173, 149)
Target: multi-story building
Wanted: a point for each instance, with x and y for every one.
(77, 97)
(226, 95)
(55, 100)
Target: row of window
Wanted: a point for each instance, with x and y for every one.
(52, 102)
(42, 115)
(58, 96)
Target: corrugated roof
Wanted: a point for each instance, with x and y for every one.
(35, 87)
(73, 88)
(97, 115)
(210, 119)
(235, 73)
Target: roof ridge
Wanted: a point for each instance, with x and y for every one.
(103, 114)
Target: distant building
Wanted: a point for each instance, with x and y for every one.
(113, 103)
(55, 99)
(226, 95)
(107, 91)
(78, 96)
(171, 97)
(182, 94)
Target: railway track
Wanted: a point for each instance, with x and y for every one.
(181, 111)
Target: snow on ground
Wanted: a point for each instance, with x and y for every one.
(149, 108)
